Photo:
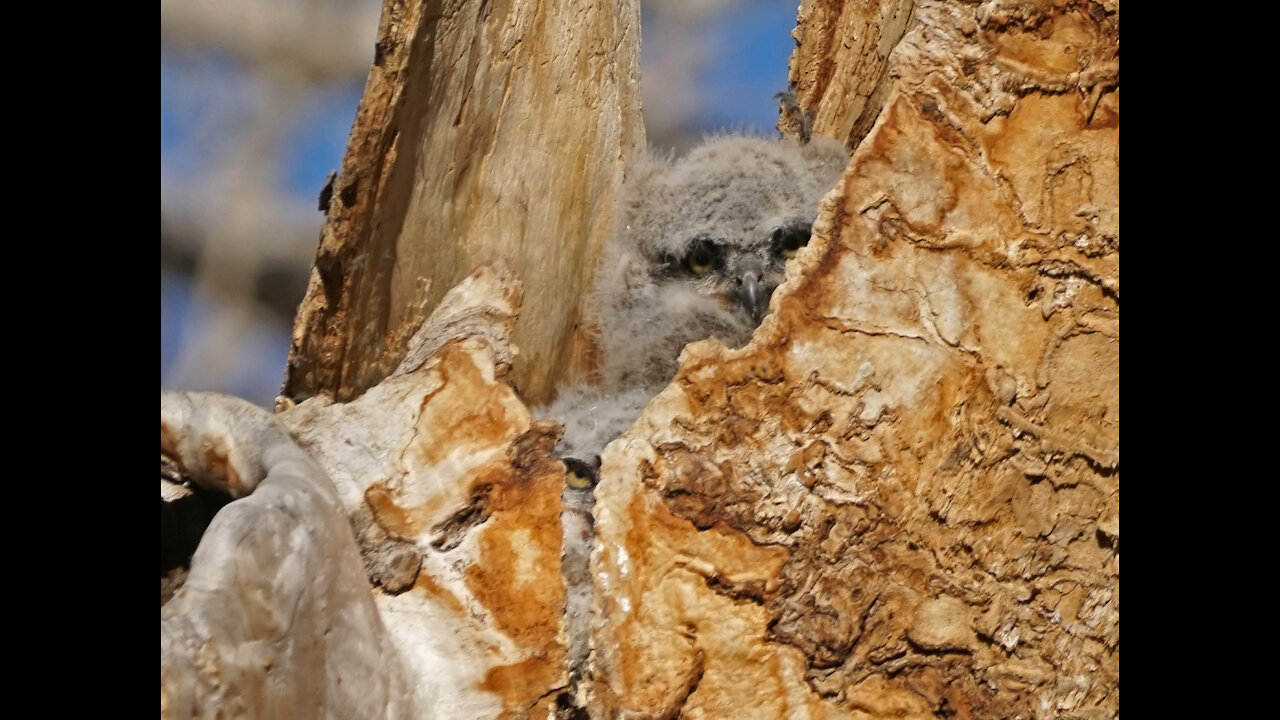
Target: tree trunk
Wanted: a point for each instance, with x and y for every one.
(901, 499)
(487, 130)
(908, 503)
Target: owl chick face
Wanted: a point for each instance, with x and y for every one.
(703, 244)
(739, 274)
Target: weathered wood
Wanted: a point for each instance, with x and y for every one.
(275, 618)
(902, 499)
(454, 497)
(839, 72)
(486, 130)
(444, 465)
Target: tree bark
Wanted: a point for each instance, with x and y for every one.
(486, 130)
(901, 499)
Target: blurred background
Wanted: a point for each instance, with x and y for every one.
(256, 100)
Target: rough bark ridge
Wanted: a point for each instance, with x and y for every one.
(486, 130)
(902, 500)
(839, 71)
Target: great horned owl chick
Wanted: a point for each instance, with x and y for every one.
(701, 246)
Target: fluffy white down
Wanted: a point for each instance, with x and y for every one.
(592, 417)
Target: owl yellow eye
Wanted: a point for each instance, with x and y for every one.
(788, 241)
(578, 474)
(702, 257)
(577, 480)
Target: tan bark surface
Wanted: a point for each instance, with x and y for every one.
(839, 71)
(902, 500)
(486, 130)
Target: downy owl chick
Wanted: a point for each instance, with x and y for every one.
(702, 244)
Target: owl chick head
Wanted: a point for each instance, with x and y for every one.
(702, 244)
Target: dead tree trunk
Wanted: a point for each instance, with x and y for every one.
(901, 499)
(907, 505)
(487, 130)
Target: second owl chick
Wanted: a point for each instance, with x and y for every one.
(702, 244)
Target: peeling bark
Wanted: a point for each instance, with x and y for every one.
(839, 74)
(892, 503)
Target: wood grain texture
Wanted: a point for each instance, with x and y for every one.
(487, 130)
(839, 72)
(275, 618)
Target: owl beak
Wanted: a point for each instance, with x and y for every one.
(753, 297)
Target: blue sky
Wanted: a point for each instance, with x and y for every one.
(750, 67)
